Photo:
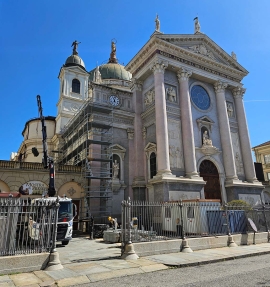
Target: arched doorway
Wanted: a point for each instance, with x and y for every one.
(209, 173)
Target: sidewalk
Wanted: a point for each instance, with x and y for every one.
(99, 266)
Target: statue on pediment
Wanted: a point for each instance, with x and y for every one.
(171, 94)
(234, 56)
(157, 24)
(206, 139)
(197, 26)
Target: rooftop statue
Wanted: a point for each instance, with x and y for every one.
(75, 46)
(197, 26)
(157, 24)
(113, 58)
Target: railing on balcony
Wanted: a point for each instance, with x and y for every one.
(6, 164)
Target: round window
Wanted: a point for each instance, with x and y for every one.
(200, 97)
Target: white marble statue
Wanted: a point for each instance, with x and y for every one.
(230, 110)
(206, 139)
(157, 24)
(115, 169)
(171, 94)
(197, 26)
(97, 75)
(234, 56)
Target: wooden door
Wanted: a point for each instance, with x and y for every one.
(209, 173)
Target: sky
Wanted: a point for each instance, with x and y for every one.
(36, 39)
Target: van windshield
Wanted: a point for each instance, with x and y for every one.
(65, 210)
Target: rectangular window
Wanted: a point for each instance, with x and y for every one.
(128, 103)
(267, 158)
(104, 98)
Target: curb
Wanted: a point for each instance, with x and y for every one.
(183, 265)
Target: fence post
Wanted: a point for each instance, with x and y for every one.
(54, 262)
(184, 247)
(266, 225)
(231, 243)
(129, 252)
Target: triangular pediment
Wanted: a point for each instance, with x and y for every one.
(73, 69)
(150, 146)
(117, 147)
(202, 46)
(205, 119)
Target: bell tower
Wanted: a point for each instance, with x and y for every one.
(73, 79)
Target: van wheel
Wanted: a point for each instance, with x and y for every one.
(65, 242)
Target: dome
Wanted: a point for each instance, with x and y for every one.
(74, 60)
(112, 71)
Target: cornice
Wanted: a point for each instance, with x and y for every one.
(109, 89)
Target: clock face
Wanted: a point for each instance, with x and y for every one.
(200, 97)
(114, 100)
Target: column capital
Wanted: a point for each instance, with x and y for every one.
(159, 66)
(130, 133)
(135, 85)
(220, 86)
(183, 74)
(238, 92)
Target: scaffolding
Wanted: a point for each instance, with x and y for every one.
(86, 141)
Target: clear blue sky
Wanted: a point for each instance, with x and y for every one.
(36, 37)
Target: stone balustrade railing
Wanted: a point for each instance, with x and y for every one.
(6, 164)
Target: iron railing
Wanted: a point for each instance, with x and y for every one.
(27, 226)
(152, 221)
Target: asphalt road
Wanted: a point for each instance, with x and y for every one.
(250, 271)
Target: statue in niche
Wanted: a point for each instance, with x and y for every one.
(115, 169)
(149, 97)
(238, 163)
(157, 24)
(197, 25)
(206, 139)
(230, 110)
(171, 94)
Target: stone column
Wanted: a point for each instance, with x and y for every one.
(163, 160)
(244, 135)
(187, 125)
(225, 133)
(138, 183)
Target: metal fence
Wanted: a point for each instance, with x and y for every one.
(152, 221)
(26, 226)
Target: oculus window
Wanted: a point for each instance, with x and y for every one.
(200, 97)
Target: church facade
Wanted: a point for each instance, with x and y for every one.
(179, 124)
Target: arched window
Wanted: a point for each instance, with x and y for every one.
(153, 165)
(76, 85)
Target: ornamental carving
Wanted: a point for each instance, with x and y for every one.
(201, 49)
(144, 131)
(159, 66)
(176, 157)
(135, 85)
(171, 94)
(130, 133)
(220, 86)
(149, 97)
(183, 74)
(238, 92)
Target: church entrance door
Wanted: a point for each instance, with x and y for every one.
(209, 173)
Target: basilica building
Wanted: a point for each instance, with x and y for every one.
(169, 125)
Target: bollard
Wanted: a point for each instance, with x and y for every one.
(184, 247)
